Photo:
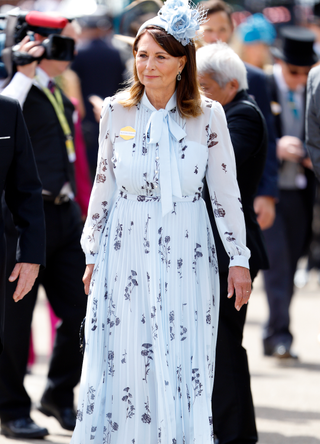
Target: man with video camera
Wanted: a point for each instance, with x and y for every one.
(49, 118)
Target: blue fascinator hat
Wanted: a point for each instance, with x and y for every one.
(179, 18)
(257, 29)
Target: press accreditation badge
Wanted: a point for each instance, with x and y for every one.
(127, 133)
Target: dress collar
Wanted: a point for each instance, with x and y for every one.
(172, 103)
(42, 78)
(164, 131)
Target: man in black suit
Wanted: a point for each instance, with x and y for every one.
(21, 185)
(49, 118)
(95, 56)
(288, 238)
(220, 27)
(222, 76)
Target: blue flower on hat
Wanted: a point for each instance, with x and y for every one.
(182, 21)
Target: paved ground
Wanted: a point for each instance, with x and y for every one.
(286, 396)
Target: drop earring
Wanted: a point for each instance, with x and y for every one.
(179, 76)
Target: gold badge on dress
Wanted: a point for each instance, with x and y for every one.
(127, 133)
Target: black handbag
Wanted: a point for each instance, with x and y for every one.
(82, 341)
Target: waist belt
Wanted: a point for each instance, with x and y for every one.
(58, 200)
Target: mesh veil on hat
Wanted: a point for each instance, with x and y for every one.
(179, 18)
(297, 46)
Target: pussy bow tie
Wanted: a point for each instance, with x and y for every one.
(162, 129)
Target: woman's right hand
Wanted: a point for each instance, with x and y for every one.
(87, 277)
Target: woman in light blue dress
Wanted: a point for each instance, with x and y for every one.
(152, 277)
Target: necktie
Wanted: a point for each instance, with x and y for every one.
(51, 86)
(162, 129)
(293, 105)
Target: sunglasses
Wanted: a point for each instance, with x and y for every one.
(295, 72)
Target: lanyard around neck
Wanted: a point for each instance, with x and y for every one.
(57, 103)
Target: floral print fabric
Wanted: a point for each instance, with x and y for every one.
(154, 297)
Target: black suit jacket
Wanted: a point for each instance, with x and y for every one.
(48, 140)
(21, 185)
(101, 72)
(249, 138)
(259, 90)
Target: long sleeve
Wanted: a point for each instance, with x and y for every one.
(18, 88)
(245, 143)
(82, 174)
(103, 190)
(224, 190)
(23, 193)
(260, 90)
(312, 120)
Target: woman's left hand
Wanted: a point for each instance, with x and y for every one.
(239, 281)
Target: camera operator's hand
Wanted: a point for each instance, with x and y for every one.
(32, 48)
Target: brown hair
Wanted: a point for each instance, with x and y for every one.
(214, 6)
(187, 89)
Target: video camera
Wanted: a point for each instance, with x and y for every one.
(17, 24)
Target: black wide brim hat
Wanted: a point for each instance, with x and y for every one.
(297, 46)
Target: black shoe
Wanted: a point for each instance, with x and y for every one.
(281, 351)
(65, 415)
(23, 428)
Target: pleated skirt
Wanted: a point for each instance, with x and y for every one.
(151, 328)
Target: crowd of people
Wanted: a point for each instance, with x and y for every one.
(146, 181)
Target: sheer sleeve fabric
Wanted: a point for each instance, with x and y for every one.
(103, 190)
(224, 191)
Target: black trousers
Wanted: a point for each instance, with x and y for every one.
(2, 286)
(285, 242)
(232, 405)
(62, 280)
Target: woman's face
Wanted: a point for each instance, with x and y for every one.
(157, 70)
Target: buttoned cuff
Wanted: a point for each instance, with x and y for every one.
(239, 261)
(91, 258)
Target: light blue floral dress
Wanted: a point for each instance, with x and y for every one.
(152, 313)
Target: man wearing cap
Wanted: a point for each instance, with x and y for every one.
(288, 237)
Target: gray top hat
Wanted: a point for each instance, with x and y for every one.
(297, 46)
